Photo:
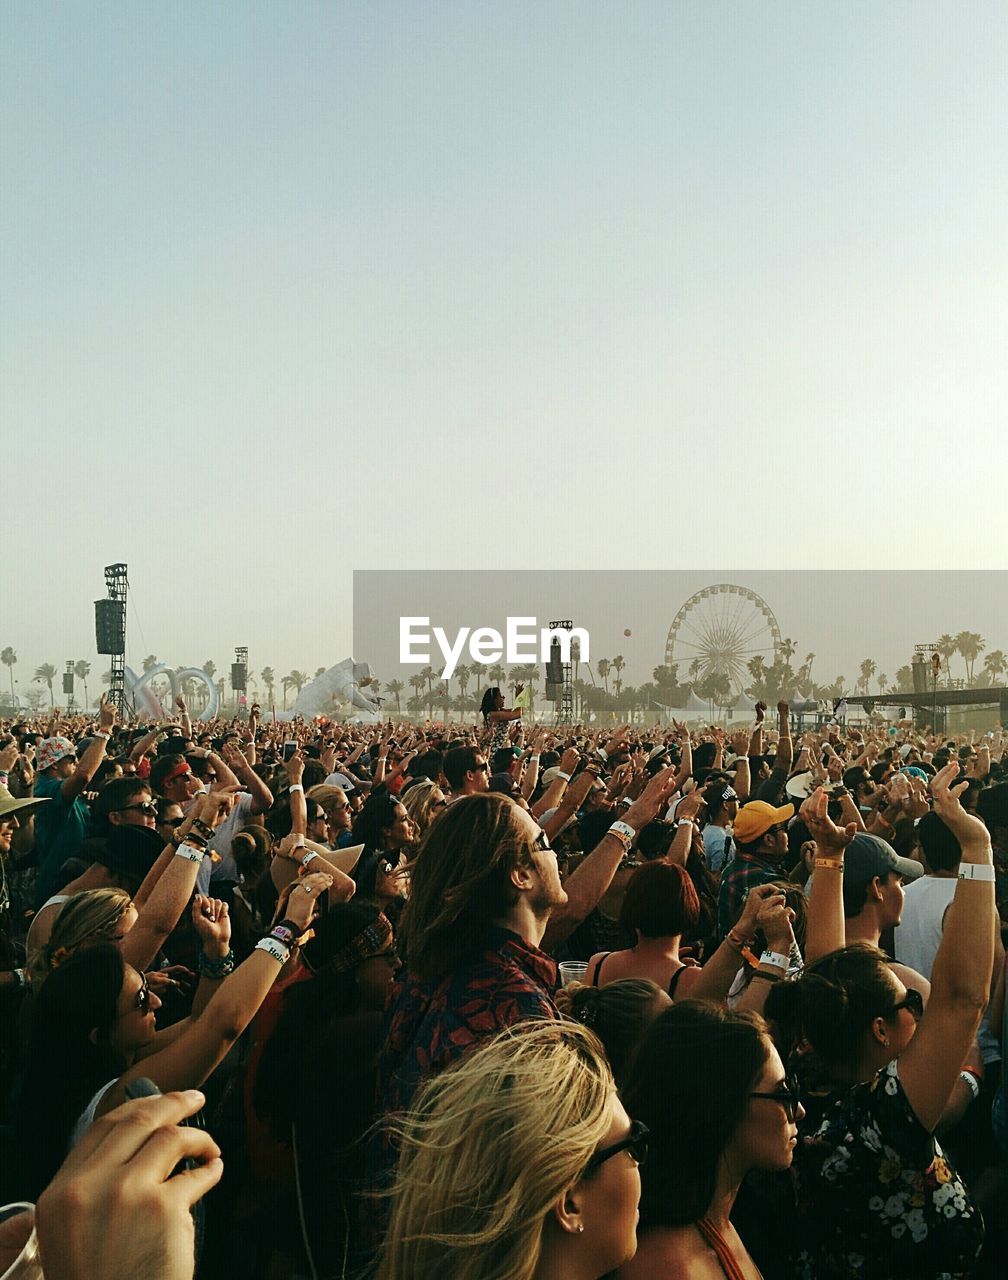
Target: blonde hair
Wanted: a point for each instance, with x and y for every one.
(489, 1148)
(91, 916)
(417, 802)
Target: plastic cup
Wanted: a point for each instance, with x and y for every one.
(572, 971)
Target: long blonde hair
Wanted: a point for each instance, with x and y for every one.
(489, 1148)
(90, 916)
(418, 802)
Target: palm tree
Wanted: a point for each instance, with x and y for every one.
(883, 682)
(299, 679)
(416, 683)
(496, 675)
(82, 670)
(787, 648)
(463, 674)
(209, 668)
(8, 658)
(575, 656)
(867, 671)
(47, 672)
(395, 688)
(149, 661)
(268, 678)
(904, 679)
(286, 681)
(602, 667)
(946, 646)
(970, 644)
(995, 664)
(617, 664)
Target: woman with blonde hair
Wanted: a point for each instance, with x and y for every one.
(519, 1163)
(423, 801)
(96, 915)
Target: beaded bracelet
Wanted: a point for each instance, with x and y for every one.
(216, 968)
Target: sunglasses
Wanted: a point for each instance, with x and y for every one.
(143, 995)
(387, 869)
(482, 767)
(148, 808)
(636, 1143)
(542, 842)
(914, 1001)
(786, 1094)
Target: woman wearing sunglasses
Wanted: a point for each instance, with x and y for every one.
(94, 1031)
(705, 1137)
(518, 1163)
(876, 1195)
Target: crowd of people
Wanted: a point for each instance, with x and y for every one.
(501, 1002)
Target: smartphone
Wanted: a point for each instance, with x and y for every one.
(288, 750)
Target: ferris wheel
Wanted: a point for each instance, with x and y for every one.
(720, 630)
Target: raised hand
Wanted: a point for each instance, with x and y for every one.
(828, 836)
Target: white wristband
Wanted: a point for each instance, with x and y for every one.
(972, 1081)
(295, 786)
(560, 774)
(685, 822)
(275, 948)
(623, 829)
(977, 871)
(309, 857)
(775, 959)
(190, 852)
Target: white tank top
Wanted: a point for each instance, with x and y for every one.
(920, 927)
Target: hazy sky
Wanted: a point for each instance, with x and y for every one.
(291, 289)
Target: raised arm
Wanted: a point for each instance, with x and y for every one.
(88, 764)
(961, 975)
(825, 930)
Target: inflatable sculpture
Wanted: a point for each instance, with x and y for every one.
(342, 692)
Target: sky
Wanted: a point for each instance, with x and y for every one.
(292, 290)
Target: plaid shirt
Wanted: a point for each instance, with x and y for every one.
(431, 1024)
(744, 871)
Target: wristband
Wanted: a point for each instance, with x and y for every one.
(768, 977)
(309, 857)
(736, 942)
(104, 736)
(560, 774)
(295, 786)
(604, 754)
(977, 871)
(972, 1081)
(274, 948)
(19, 978)
(832, 864)
(775, 959)
(286, 933)
(623, 829)
(684, 822)
(203, 828)
(189, 851)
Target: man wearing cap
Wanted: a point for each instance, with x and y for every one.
(873, 887)
(722, 808)
(61, 827)
(761, 849)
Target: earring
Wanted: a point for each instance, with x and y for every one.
(885, 1041)
(580, 1227)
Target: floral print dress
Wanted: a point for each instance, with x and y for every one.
(876, 1196)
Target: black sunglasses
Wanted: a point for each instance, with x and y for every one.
(542, 842)
(914, 1001)
(636, 1143)
(143, 995)
(148, 808)
(787, 1094)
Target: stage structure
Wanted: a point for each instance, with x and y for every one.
(559, 688)
(110, 636)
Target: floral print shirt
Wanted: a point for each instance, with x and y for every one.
(877, 1198)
